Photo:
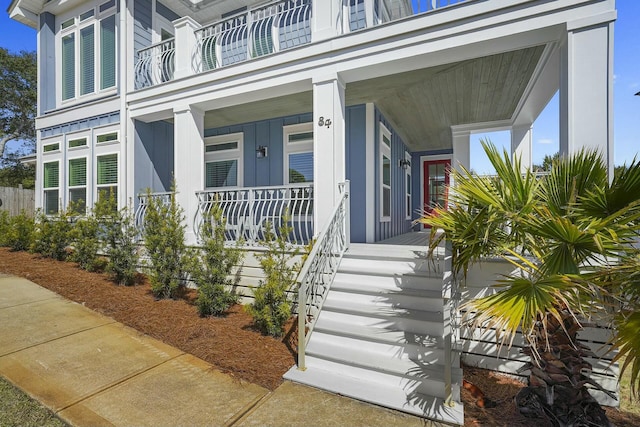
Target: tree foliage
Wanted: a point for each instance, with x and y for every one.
(13, 172)
(18, 97)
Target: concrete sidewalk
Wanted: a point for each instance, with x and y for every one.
(93, 371)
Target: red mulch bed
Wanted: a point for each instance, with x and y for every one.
(231, 343)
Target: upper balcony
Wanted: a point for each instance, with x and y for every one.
(265, 30)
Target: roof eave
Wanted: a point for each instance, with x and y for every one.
(22, 15)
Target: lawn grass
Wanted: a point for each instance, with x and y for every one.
(18, 409)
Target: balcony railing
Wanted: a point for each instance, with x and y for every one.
(155, 64)
(143, 203)
(252, 34)
(249, 211)
(262, 31)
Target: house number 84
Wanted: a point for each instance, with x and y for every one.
(324, 122)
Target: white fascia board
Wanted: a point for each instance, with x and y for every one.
(92, 109)
(24, 16)
(355, 57)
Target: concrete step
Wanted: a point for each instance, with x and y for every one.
(391, 301)
(388, 267)
(400, 359)
(399, 394)
(409, 284)
(410, 320)
(372, 330)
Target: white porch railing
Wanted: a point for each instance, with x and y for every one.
(143, 203)
(258, 32)
(248, 211)
(318, 271)
(155, 64)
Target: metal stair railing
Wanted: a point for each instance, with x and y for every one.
(319, 269)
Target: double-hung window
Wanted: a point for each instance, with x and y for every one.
(107, 176)
(51, 178)
(88, 51)
(78, 184)
(298, 153)
(407, 183)
(223, 161)
(385, 173)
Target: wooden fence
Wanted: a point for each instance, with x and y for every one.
(14, 200)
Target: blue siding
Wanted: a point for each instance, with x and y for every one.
(89, 122)
(142, 25)
(398, 224)
(267, 171)
(153, 154)
(47, 59)
(355, 134)
(415, 177)
(166, 12)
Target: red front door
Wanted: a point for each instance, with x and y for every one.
(436, 184)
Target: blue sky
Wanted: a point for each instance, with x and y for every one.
(15, 37)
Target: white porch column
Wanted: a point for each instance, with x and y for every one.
(586, 89)
(325, 17)
(188, 161)
(328, 145)
(185, 45)
(461, 143)
(521, 143)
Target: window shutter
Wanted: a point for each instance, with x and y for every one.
(222, 173)
(108, 52)
(87, 60)
(51, 175)
(68, 67)
(77, 172)
(108, 169)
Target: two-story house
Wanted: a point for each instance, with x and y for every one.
(263, 105)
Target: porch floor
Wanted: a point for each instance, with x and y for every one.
(412, 238)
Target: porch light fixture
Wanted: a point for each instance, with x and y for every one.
(261, 152)
(404, 163)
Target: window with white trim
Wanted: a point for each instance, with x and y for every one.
(88, 51)
(298, 153)
(223, 161)
(107, 137)
(407, 183)
(78, 184)
(51, 184)
(385, 173)
(107, 176)
(48, 148)
(77, 142)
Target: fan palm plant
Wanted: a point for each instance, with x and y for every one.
(569, 235)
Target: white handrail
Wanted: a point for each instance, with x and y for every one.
(318, 271)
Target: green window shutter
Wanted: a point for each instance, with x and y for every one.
(87, 60)
(51, 175)
(108, 169)
(68, 67)
(108, 52)
(77, 172)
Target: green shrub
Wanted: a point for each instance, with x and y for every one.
(86, 243)
(164, 243)
(211, 268)
(118, 233)
(271, 307)
(19, 236)
(52, 236)
(5, 222)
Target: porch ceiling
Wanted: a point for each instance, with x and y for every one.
(422, 104)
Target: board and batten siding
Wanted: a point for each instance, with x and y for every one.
(482, 348)
(153, 156)
(142, 26)
(398, 223)
(356, 165)
(47, 63)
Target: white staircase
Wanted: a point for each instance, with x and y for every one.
(379, 335)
